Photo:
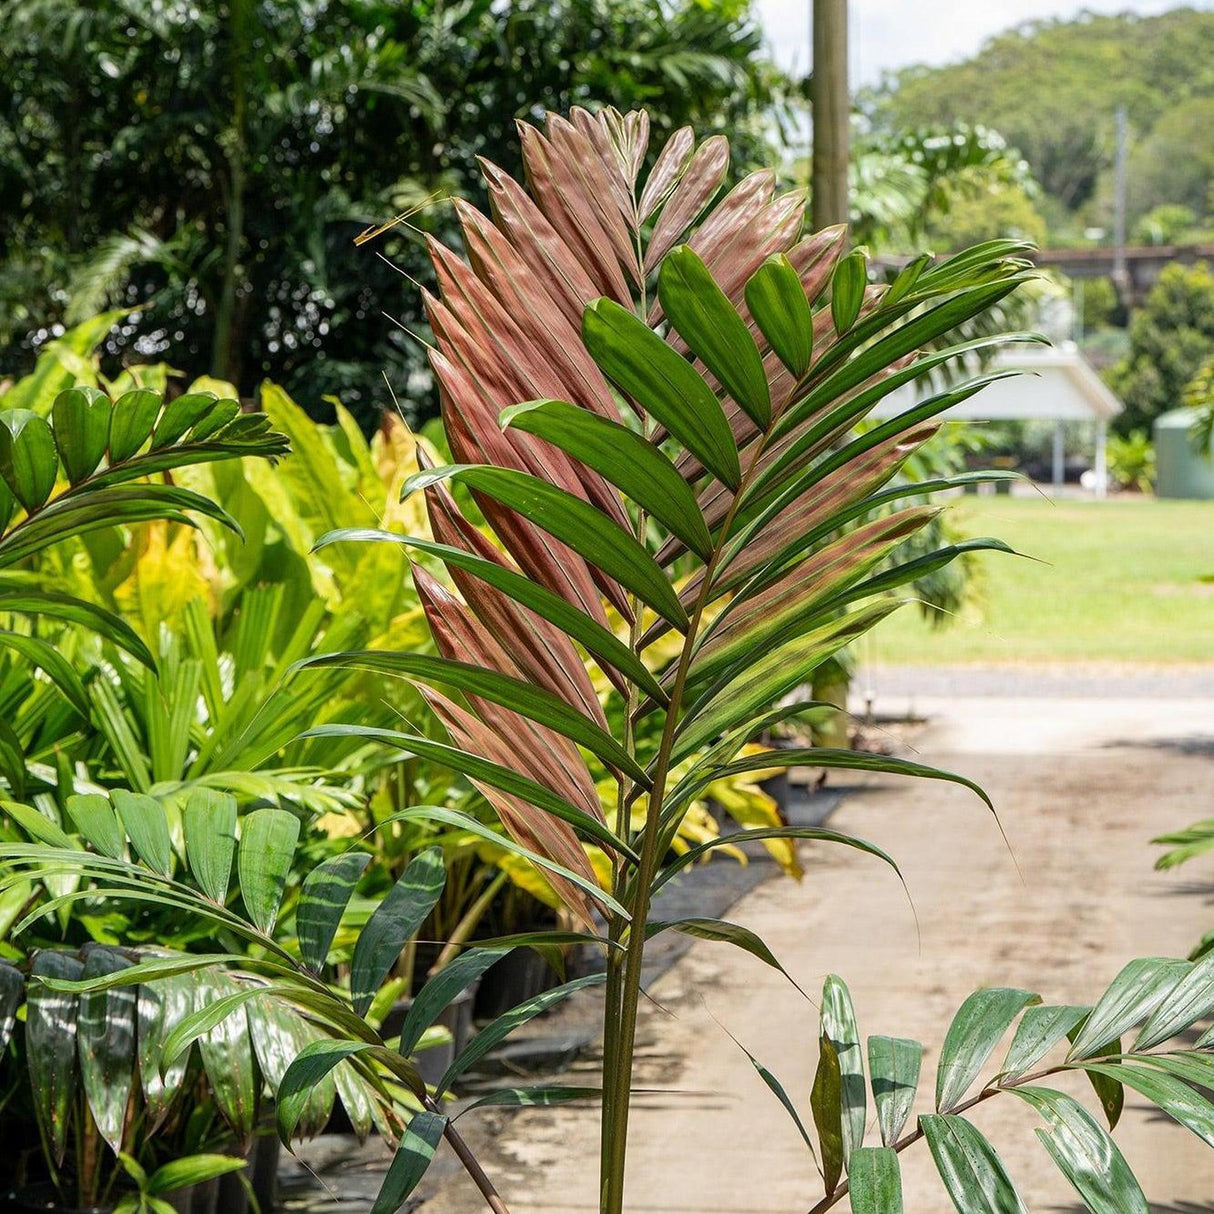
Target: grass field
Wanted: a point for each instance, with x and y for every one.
(1128, 580)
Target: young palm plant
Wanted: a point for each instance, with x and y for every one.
(1161, 997)
(652, 394)
(664, 439)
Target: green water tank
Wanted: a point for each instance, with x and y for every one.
(1179, 470)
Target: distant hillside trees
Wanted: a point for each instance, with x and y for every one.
(1052, 88)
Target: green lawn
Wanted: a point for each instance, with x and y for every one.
(1127, 580)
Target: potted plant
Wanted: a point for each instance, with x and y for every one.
(654, 396)
(657, 394)
(268, 1023)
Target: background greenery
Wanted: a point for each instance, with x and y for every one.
(1052, 88)
(213, 164)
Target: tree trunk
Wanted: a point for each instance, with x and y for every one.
(225, 357)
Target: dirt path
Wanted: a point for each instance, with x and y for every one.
(1081, 786)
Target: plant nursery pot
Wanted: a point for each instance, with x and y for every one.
(41, 1199)
(521, 974)
(227, 1194)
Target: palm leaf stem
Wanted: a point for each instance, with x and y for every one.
(616, 927)
(493, 1199)
(618, 1062)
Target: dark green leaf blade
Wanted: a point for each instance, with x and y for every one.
(596, 639)
(710, 325)
(12, 995)
(1172, 1095)
(452, 817)
(210, 840)
(29, 460)
(227, 1058)
(1132, 996)
(825, 1102)
(1190, 1000)
(315, 1061)
(497, 1030)
(534, 702)
(72, 610)
(193, 1170)
(574, 522)
(52, 663)
(81, 420)
(663, 383)
(410, 1162)
(720, 930)
(758, 685)
(394, 922)
(162, 1003)
(148, 828)
(1040, 1029)
(839, 1024)
(267, 847)
(847, 290)
(1085, 1154)
(875, 1181)
(134, 414)
(780, 307)
(323, 899)
(538, 1096)
(106, 1046)
(637, 467)
(488, 772)
(50, 1037)
(441, 989)
(95, 819)
(760, 833)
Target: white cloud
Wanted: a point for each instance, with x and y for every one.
(887, 34)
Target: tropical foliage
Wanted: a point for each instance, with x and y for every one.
(108, 1035)
(1171, 336)
(1132, 461)
(667, 510)
(83, 470)
(939, 183)
(1052, 87)
(697, 498)
(1161, 997)
(212, 166)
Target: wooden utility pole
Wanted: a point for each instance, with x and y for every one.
(1121, 275)
(831, 113)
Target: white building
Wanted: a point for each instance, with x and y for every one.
(1058, 385)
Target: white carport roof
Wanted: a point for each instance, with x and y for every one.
(1059, 384)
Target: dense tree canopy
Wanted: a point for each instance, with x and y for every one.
(1171, 336)
(1052, 89)
(211, 164)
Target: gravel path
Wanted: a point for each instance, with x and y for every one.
(1081, 785)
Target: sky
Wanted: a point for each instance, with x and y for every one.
(889, 34)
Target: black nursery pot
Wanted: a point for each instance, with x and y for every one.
(223, 1195)
(41, 1199)
(520, 975)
